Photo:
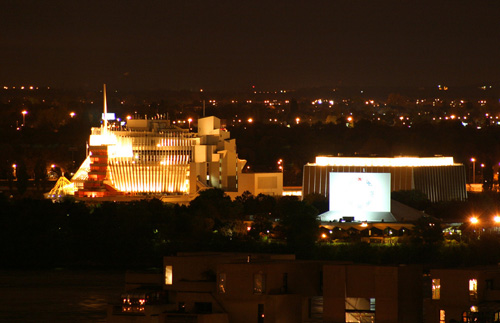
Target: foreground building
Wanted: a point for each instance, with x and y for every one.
(463, 295)
(440, 178)
(231, 287)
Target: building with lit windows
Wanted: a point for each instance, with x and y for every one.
(440, 178)
(236, 287)
(462, 295)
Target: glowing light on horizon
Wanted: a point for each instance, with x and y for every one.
(384, 161)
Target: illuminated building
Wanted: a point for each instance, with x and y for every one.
(153, 157)
(440, 178)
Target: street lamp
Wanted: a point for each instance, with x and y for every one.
(24, 113)
(72, 114)
(280, 165)
(189, 123)
(473, 160)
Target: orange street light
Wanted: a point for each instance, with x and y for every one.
(473, 160)
(24, 113)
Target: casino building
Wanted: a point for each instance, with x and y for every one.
(138, 158)
(440, 178)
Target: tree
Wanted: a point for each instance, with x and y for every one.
(22, 177)
(299, 224)
(427, 231)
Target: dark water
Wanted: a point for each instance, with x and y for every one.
(58, 295)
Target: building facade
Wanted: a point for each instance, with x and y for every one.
(153, 157)
(440, 178)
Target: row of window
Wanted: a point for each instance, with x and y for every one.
(436, 289)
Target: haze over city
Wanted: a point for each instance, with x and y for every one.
(233, 45)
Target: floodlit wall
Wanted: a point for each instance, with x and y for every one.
(159, 164)
(257, 183)
(440, 182)
(151, 156)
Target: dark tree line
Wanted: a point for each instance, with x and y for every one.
(41, 233)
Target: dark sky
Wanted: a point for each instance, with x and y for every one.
(234, 44)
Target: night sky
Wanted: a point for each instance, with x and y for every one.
(232, 45)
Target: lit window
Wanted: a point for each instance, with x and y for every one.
(259, 283)
(442, 316)
(436, 288)
(473, 289)
(221, 284)
(168, 275)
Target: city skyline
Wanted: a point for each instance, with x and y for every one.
(237, 45)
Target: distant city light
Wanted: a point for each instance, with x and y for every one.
(474, 220)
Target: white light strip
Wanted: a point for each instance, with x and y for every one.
(384, 162)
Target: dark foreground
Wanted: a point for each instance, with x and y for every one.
(58, 295)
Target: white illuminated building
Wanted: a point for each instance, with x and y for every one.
(153, 157)
(440, 178)
(359, 197)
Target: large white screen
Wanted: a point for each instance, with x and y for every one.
(360, 192)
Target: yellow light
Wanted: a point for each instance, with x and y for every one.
(349, 118)
(297, 120)
(72, 114)
(473, 220)
(190, 120)
(364, 224)
(323, 235)
(129, 117)
(473, 160)
(496, 219)
(384, 162)
(249, 228)
(24, 112)
(250, 120)
(14, 165)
